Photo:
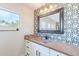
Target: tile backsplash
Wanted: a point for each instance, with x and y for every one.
(71, 25)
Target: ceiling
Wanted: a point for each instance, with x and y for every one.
(34, 5)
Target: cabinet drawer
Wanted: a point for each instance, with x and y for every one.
(42, 48)
(27, 43)
(30, 50)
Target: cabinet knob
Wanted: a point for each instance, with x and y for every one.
(57, 54)
(27, 54)
(36, 52)
(27, 46)
(39, 54)
(27, 41)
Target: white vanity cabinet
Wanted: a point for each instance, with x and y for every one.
(56, 53)
(34, 49)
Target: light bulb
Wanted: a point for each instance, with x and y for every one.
(45, 9)
(41, 11)
(50, 7)
(55, 6)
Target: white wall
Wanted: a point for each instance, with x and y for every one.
(12, 42)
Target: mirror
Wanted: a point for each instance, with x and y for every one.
(51, 22)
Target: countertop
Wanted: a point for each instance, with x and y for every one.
(67, 49)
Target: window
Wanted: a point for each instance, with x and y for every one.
(8, 20)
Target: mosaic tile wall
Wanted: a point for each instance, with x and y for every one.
(71, 25)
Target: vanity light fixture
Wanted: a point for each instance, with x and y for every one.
(47, 8)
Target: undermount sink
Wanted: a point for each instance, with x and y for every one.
(47, 41)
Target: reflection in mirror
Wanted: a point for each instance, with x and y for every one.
(50, 22)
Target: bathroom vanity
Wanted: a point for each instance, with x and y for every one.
(35, 46)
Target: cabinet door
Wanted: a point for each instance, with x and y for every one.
(56, 53)
(35, 49)
(29, 48)
(28, 52)
(40, 50)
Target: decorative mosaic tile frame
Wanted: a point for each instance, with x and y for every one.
(71, 24)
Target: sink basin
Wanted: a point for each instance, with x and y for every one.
(47, 41)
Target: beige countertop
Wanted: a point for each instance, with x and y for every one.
(58, 46)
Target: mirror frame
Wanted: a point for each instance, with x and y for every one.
(61, 31)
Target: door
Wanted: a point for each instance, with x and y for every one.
(41, 50)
